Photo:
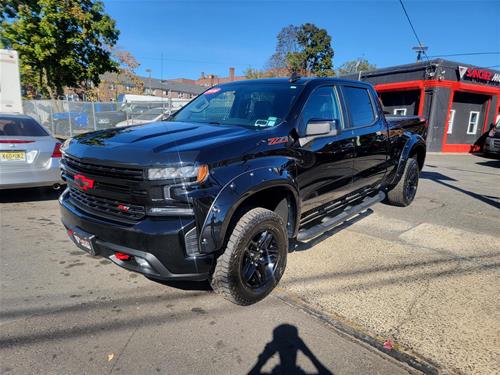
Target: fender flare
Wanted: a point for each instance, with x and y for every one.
(233, 194)
(413, 142)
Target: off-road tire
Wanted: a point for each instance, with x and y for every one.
(401, 195)
(227, 279)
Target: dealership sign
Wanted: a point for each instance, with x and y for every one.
(466, 72)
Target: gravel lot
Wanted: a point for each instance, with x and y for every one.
(424, 277)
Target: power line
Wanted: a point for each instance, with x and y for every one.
(467, 54)
(414, 31)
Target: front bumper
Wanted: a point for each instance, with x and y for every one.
(159, 240)
(492, 145)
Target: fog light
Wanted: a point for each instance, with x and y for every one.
(191, 242)
(142, 262)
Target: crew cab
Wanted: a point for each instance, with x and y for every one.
(223, 188)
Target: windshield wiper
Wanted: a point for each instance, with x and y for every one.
(215, 123)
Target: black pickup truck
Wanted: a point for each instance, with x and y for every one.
(222, 189)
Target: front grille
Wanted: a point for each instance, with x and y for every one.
(108, 207)
(101, 170)
(496, 142)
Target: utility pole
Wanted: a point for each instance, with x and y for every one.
(149, 72)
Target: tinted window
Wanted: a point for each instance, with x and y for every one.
(250, 104)
(321, 105)
(23, 127)
(360, 106)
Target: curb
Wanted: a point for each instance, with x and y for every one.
(423, 365)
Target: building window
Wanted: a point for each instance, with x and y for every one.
(473, 121)
(450, 121)
(400, 111)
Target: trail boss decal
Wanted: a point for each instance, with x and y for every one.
(277, 140)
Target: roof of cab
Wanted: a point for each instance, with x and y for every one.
(300, 81)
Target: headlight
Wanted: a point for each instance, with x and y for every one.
(187, 172)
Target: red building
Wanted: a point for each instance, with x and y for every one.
(459, 100)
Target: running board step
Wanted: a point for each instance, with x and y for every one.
(331, 222)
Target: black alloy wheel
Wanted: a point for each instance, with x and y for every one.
(260, 259)
(254, 259)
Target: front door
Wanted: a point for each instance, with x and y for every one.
(326, 161)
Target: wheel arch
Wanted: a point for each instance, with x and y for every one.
(274, 190)
(418, 150)
(414, 146)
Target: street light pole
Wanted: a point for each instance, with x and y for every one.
(149, 72)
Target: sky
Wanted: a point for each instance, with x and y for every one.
(210, 36)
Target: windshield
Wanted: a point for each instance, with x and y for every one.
(21, 126)
(151, 114)
(256, 105)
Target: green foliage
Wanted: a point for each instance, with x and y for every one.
(304, 49)
(61, 43)
(252, 73)
(315, 56)
(354, 66)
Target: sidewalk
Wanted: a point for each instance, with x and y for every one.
(417, 276)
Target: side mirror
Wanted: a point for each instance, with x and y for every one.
(322, 127)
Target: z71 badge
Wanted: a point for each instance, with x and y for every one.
(277, 140)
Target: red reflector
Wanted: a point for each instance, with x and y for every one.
(122, 256)
(15, 141)
(57, 151)
(70, 232)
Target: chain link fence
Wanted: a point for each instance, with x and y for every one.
(69, 118)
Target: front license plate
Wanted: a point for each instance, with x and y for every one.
(12, 155)
(83, 241)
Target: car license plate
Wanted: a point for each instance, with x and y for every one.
(12, 155)
(83, 241)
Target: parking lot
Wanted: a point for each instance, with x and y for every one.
(423, 279)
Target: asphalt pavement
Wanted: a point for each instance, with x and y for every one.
(64, 312)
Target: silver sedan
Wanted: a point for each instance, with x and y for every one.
(29, 155)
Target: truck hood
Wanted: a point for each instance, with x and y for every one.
(132, 122)
(157, 143)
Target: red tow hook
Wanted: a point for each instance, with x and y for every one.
(122, 256)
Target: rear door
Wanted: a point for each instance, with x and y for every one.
(370, 135)
(326, 162)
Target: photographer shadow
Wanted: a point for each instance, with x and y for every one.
(287, 343)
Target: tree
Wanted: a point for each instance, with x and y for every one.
(252, 73)
(354, 66)
(125, 77)
(315, 54)
(61, 43)
(287, 43)
(127, 64)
